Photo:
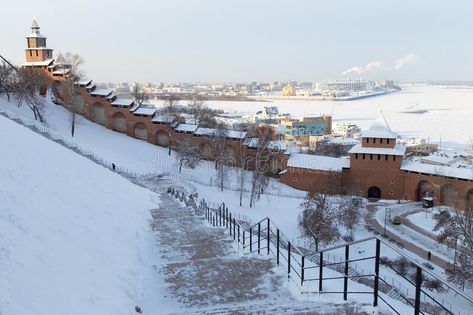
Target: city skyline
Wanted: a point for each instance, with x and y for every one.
(209, 41)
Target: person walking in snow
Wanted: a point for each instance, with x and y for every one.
(429, 254)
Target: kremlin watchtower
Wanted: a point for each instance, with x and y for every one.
(37, 53)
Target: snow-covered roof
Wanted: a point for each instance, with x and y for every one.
(146, 111)
(234, 134)
(122, 102)
(101, 92)
(397, 150)
(317, 162)
(186, 128)
(344, 141)
(84, 82)
(448, 171)
(201, 131)
(380, 129)
(60, 60)
(273, 145)
(34, 24)
(38, 63)
(440, 159)
(61, 71)
(34, 35)
(162, 119)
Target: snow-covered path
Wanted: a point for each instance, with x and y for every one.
(205, 274)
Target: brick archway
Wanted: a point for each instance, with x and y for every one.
(97, 113)
(469, 199)
(78, 103)
(162, 138)
(424, 189)
(449, 195)
(119, 122)
(206, 151)
(230, 155)
(140, 131)
(57, 89)
(374, 192)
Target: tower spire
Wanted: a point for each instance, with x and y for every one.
(35, 27)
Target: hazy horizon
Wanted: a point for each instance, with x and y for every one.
(213, 41)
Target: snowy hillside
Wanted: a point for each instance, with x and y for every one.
(69, 230)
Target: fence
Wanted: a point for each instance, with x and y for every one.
(69, 143)
(319, 272)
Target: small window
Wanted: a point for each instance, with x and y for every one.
(374, 140)
(367, 140)
(387, 141)
(356, 155)
(381, 140)
(391, 192)
(357, 180)
(394, 158)
(392, 181)
(386, 157)
(31, 53)
(371, 156)
(379, 157)
(294, 179)
(36, 53)
(364, 156)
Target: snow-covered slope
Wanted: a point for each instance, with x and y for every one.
(70, 230)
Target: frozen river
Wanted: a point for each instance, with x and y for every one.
(434, 112)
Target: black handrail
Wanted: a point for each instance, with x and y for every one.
(266, 230)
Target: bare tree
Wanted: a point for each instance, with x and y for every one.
(456, 232)
(187, 153)
(171, 111)
(349, 215)
(70, 66)
(242, 170)
(260, 180)
(219, 146)
(318, 219)
(6, 76)
(139, 96)
(27, 84)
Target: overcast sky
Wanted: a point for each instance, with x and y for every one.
(260, 40)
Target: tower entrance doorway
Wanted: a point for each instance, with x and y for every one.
(374, 192)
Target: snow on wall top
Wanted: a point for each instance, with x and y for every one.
(84, 82)
(38, 63)
(317, 162)
(416, 166)
(234, 134)
(147, 111)
(201, 131)
(122, 102)
(186, 128)
(101, 92)
(397, 150)
(163, 119)
(380, 129)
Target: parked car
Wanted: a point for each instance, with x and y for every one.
(396, 220)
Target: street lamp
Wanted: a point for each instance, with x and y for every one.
(455, 257)
(385, 219)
